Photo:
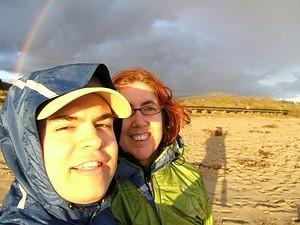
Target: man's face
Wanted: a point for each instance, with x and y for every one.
(141, 134)
(80, 149)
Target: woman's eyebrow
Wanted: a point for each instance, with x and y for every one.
(149, 102)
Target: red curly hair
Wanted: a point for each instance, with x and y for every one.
(173, 112)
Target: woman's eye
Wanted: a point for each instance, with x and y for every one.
(150, 108)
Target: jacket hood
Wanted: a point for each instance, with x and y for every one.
(19, 138)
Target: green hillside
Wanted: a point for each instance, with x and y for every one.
(230, 101)
(224, 100)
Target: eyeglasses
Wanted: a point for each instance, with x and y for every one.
(148, 110)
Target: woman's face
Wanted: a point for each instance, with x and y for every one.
(141, 134)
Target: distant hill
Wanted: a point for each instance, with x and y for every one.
(227, 100)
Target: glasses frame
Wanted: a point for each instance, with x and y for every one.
(160, 108)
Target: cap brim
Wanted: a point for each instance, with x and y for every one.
(117, 102)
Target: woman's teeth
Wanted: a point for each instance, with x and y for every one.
(140, 137)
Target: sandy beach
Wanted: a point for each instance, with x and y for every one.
(250, 165)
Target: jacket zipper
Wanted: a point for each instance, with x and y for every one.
(97, 210)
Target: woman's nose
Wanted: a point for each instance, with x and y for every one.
(138, 119)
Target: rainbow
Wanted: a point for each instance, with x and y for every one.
(30, 35)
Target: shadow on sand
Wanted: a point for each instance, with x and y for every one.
(214, 167)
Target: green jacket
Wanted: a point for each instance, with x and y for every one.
(130, 207)
(173, 190)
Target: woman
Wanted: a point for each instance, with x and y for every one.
(152, 151)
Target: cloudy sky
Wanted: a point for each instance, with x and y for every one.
(239, 47)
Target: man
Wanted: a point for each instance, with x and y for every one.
(57, 137)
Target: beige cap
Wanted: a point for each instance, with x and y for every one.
(117, 102)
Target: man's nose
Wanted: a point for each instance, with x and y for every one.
(89, 137)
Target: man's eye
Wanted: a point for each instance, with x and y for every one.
(104, 125)
(62, 128)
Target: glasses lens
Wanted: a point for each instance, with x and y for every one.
(150, 109)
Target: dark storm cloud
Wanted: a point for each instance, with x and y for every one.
(15, 19)
(232, 46)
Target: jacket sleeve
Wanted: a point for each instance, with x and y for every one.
(180, 196)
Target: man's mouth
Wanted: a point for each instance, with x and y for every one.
(140, 137)
(88, 165)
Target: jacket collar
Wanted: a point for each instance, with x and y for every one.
(168, 155)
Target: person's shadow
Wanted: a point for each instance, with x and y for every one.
(214, 166)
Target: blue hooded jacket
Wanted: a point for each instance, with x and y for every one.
(32, 199)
